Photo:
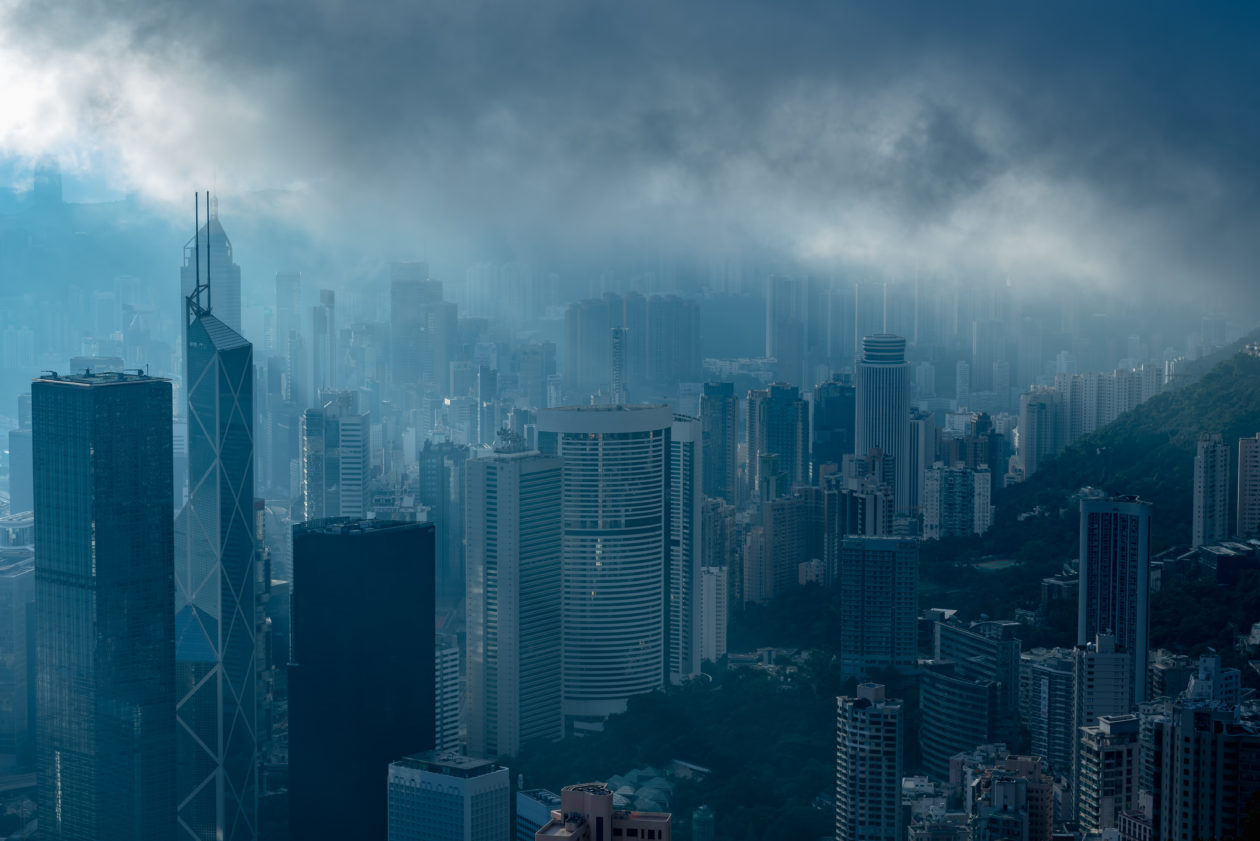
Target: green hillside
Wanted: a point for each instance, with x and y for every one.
(1148, 452)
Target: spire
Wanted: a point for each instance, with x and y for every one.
(196, 307)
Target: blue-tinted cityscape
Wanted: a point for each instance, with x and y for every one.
(671, 422)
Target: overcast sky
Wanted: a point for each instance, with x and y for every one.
(1111, 144)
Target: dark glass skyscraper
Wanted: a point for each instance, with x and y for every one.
(361, 679)
(103, 590)
(215, 584)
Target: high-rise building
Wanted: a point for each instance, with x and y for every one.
(514, 605)
(1013, 798)
(323, 370)
(959, 713)
(336, 461)
(17, 647)
(1115, 590)
(533, 811)
(448, 694)
(437, 796)
(442, 472)
(778, 425)
(105, 688)
(719, 417)
(1210, 523)
(835, 411)
(587, 813)
(1101, 686)
(673, 340)
(883, 409)
(956, 502)
(1047, 706)
(1042, 428)
(410, 291)
(615, 552)
(1108, 781)
(714, 610)
(288, 307)
(21, 476)
(361, 674)
(214, 249)
(990, 651)
(869, 745)
(1247, 523)
(686, 500)
(878, 581)
(215, 586)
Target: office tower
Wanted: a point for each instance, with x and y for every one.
(1042, 428)
(1203, 759)
(514, 606)
(216, 736)
(1047, 697)
(588, 345)
(323, 370)
(835, 411)
(719, 417)
(878, 580)
(1247, 523)
(673, 340)
(883, 409)
(21, 475)
(17, 647)
(411, 292)
(959, 713)
(442, 490)
(447, 693)
(869, 734)
(1108, 781)
(533, 811)
(587, 813)
(437, 796)
(615, 552)
(1211, 491)
(986, 651)
(778, 425)
(361, 676)
(922, 449)
(214, 249)
(686, 500)
(336, 464)
(956, 502)
(714, 602)
(288, 307)
(1115, 591)
(105, 689)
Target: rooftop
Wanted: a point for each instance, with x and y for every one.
(96, 379)
(449, 763)
(350, 525)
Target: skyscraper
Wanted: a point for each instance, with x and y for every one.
(1115, 589)
(685, 545)
(878, 580)
(447, 797)
(719, 418)
(215, 582)
(1211, 491)
(883, 409)
(336, 461)
(615, 552)
(835, 411)
(103, 592)
(410, 293)
(514, 606)
(778, 425)
(361, 677)
(324, 342)
(1248, 520)
(448, 693)
(869, 734)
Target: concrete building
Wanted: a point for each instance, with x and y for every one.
(587, 813)
(1047, 705)
(956, 502)
(336, 460)
(1108, 781)
(436, 796)
(1013, 798)
(1247, 522)
(1115, 592)
(878, 581)
(869, 734)
(883, 409)
(1210, 523)
(714, 612)
(615, 553)
(514, 601)
(104, 633)
(1101, 679)
(361, 673)
(448, 694)
(686, 499)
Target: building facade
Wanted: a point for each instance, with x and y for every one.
(869, 733)
(883, 409)
(436, 796)
(878, 581)
(1210, 523)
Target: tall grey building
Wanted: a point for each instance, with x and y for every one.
(719, 417)
(883, 409)
(103, 592)
(869, 744)
(411, 293)
(878, 580)
(1115, 592)
(1210, 523)
(336, 461)
(615, 553)
(214, 251)
(778, 425)
(1247, 523)
(514, 606)
(215, 583)
(685, 546)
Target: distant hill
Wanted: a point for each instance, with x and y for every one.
(1149, 452)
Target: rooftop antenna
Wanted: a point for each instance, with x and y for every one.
(209, 292)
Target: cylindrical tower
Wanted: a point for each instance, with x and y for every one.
(883, 409)
(615, 493)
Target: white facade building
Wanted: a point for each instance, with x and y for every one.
(447, 797)
(713, 612)
(869, 733)
(686, 498)
(883, 409)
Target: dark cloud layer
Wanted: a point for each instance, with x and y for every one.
(1108, 143)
